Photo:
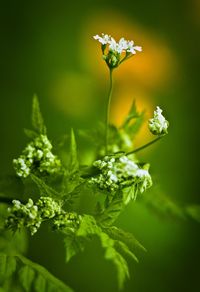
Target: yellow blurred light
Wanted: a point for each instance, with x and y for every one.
(151, 68)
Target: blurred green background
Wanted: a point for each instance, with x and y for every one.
(46, 47)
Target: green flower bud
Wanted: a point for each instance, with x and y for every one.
(158, 125)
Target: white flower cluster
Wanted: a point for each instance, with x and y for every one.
(37, 156)
(24, 215)
(121, 172)
(158, 125)
(118, 47)
(115, 49)
(31, 215)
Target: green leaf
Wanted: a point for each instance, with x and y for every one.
(44, 189)
(29, 275)
(88, 229)
(40, 284)
(42, 278)
(37, 119)
(74, 164)
(133, 113)
(26, 277)
(129, 193)
(7, 267)
(194, 212)
(123, 249)
(112, 210)
(13, 243)
(30, 133)
(73, 245)
(125, 237)
(115, 257)
(133, 121)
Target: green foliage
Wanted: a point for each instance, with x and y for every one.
(73, 245)
(43, 188)
(74, 164)
(112, 240)
(133, 121)
(80, 202)
(30, 133)
(112, 209)
(28, 275)
(7, 267)
(126, 237)
(37, 119)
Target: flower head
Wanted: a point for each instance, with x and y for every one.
(103, 39)
(37, 156)
(31, 215)
(120, 172)
(116, 51)
(158, 125)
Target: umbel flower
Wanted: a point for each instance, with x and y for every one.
(31, 215)
(121, 172)
(114, 53)
(37, 155)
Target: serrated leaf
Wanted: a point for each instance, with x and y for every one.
(133, 121)
(42, 278)
(133, 113)
(74, 164)
(44, 189)
(40, 284)
(89, 228)
(115, 257)
(125, 237)
(7, 267)
(73, 245)
(13, 243)
(37, 119)
(129, 193)
(123, 249)
(26, 277)
(112, 211)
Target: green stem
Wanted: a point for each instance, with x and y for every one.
(108, 111)
(144, 146)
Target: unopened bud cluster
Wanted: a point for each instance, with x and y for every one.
(114, 52)
(24, 215)
(121, 172)
(158, 125)
(68, 221)
(31, 215)
(37, 156)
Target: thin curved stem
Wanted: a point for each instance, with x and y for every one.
(144, 146)
(108, 111)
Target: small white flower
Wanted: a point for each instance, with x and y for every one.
(142, 173)
(123, 46)
(103, 39)
(132, 49)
